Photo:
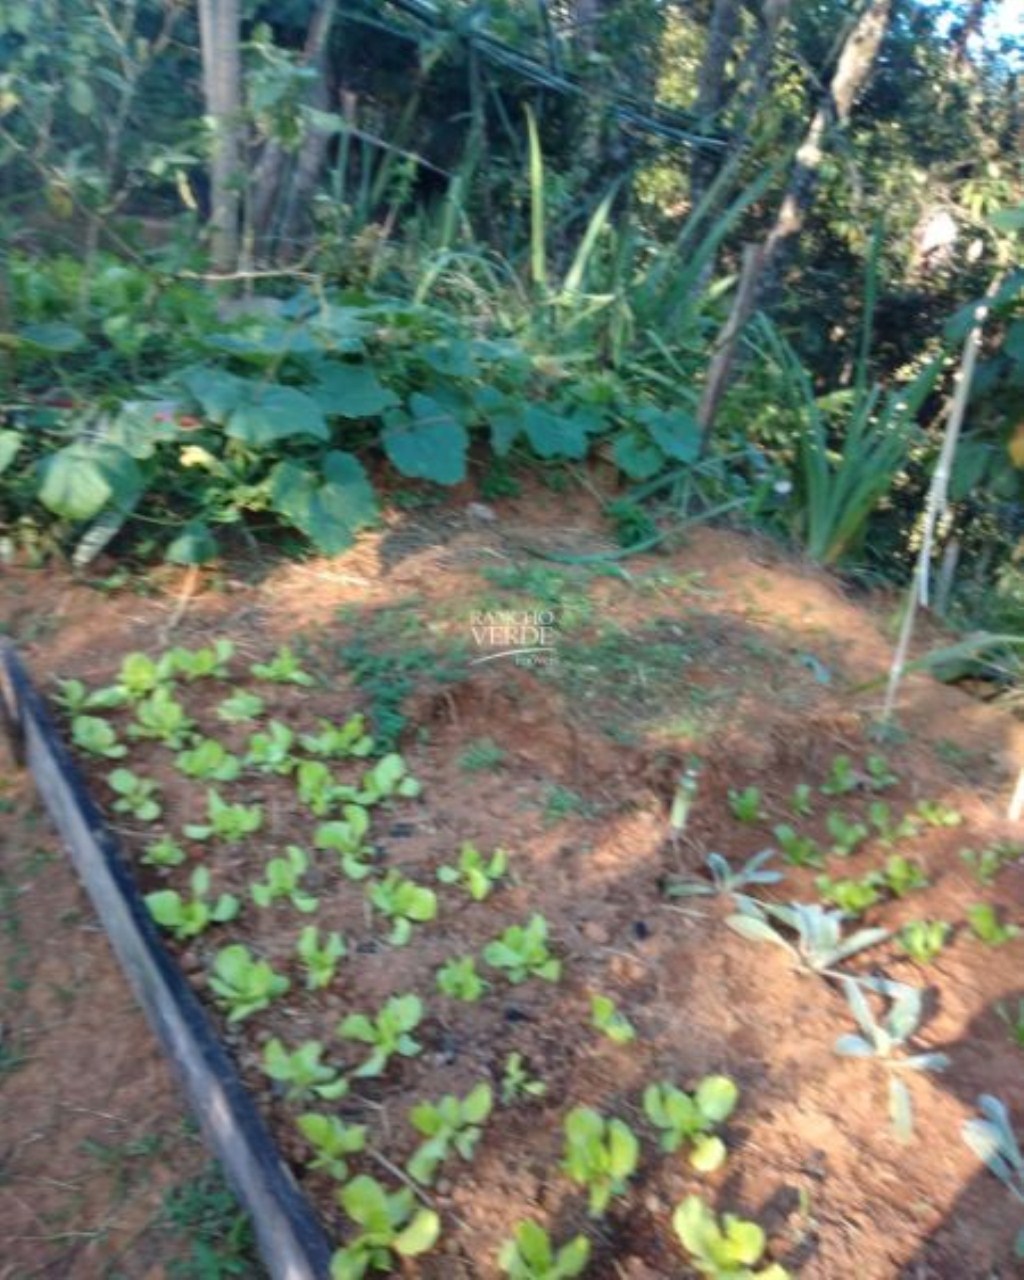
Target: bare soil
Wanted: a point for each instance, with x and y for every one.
(721, 650)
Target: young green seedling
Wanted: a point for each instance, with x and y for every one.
(985, 925)
(1014, 1021)
(198, 664)
(228, 822)
(161, 717)
(724, 1251)
(135, 795)
(481, 756)
(283, 668)
(901, 876)
(75, 698)
(607, 1019)
(798, 850)
(209, 761)
(852, 897)
(332, 1140)
(723, 879)
(389, 1224)
(338, 742)
(690, 1117)
(404, 903)
(459, 979)
(890, 831)
(522, 952)
(319, 959)
(880, 776)
(97, 737)
(746, 804)
(475, 873)
(318, 790)
(988, 862)
(164, 852)
(188, 917)
(846, 836)
(452, 1124)
(922, 940)
(347, 838)
(530, 1255)
(270, 749)
(386, 1034)
(993, 1140)
(139, 676)
(842, 778)
(302, 1071)
(517, 1083)
(240, 706)
(243, 984)
(819, 943)
(885, 1043)
(600, 1154)
(388, 778)
(281, 880)
(801, 802)
(937, 814)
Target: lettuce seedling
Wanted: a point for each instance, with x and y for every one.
(690, 1117)
(332, 1140)
(987, 863)
(188, 917)
(885, 1041)
(889, 831)
(386, 1034)
(317, 789)
(846, 836)
(842, 778)
(724, 1251)
(197, 664)
(459, 979)
(900, 875)
(516, 1082)
(450, 1124)
(992, 1139)
(723, 879)
(319, 960)
(165, 852)
(852, 897)
(337, 742)
(607, 1019)
(228, 822)
(522, 952)
(243, 984)
(404, 902)
(746, 804)
(600, 1154)
(75, 698)
(136, 795)
(283, 668)
(140, 675)
(302, 1071)
(798, 850)
(240, 706)
(97, 737)
(880, 776)
(281, 880)
(985, 925)
(819, 942)
(937, 814)
(530, 1255)
(209, 761)
(348, 839)
(388, 778)
(922, 940)
(270, 749)
(475, 873)
(390, 1224)
(800, 802)
(161, 717)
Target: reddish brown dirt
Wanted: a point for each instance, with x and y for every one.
(707, 651)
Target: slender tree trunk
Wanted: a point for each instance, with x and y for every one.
(220, 35)
(714, 88)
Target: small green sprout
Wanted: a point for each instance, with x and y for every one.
(243, 984)
(390, 1224)
(607, 1019)
(516, 1082)
(229, 822)
(689, 1118)
(198, 664)
(901, 876)
(404, 903)
(723, 879)
(481, 756)
(347, 838)
(846, 836)
(724, 1251)
(458, 978)
(140, 675)
(477, 874)
(270, 749)
(880, 776)
(522, 952)
(97, 737)
(992, 1139)
(746, 804)
(75, 698)
(530, 1255)
(801, 802)
(842, 778)
(985, 925)
(332, 1140)
(188, 917)
(240, 706)
(281, 880)
(161, 717)
(922, 940)
(890, 831)
(317, 789)
(937, 814)
(987, 863)
(450, 1124)
(165, 852)
(600, 1154)
(319, 959)
(283, 668)
(386, 1034)
(337, 742)
(852, 897)
(210, 761)
(798, 850)
(388, 778)
(303, 1072)
(136, 795)
(1014, 1021)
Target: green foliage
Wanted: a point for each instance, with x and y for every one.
(97, 737)
(801, 800)
(316, 786)
(901, 876)
(993, 1140)
(240, 706)
(889, 831)
(339, 742)
(937, 814)
(388, 778)
(332, 1141)
(530, 1255)
(726, 1250)
(1014, 1022)
(165, 852)
(319, 959)
(852, 897)
(819, 943)
(478, 875)
(386, 1034)
(282, 878)
(210, 662)
(75, 699)
(880, 776)
(746, 804)
(847, 836)
(516, 1082)
(389, 1224)
(404, 903)
(987, 863)
(283, 668)
(688, 1118)
(723, 879)
(481, 756)
(243, 984)
(452, 1124)
(842, 778)
(608, 1020)
(798, 850)
(459, 979)
(521, 952)
(162, 717)
(136, 795)
(270, 749)
(188, 917)
(923, 940)
(302, 1072)
(985, 924)
(600, 1154)
(210, 761)
(228, 822)
(140, 675)
(347, 838)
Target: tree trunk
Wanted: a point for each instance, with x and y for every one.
(713, 91)
(220, 37)
(760, 268)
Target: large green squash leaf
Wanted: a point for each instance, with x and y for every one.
(10, 443)
(431, 445)
(552, 436)
(675, 432)
(78, 481)
(351, 391)
(257, 413)
(329, 505)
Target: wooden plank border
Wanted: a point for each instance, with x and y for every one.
(291, 1241)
